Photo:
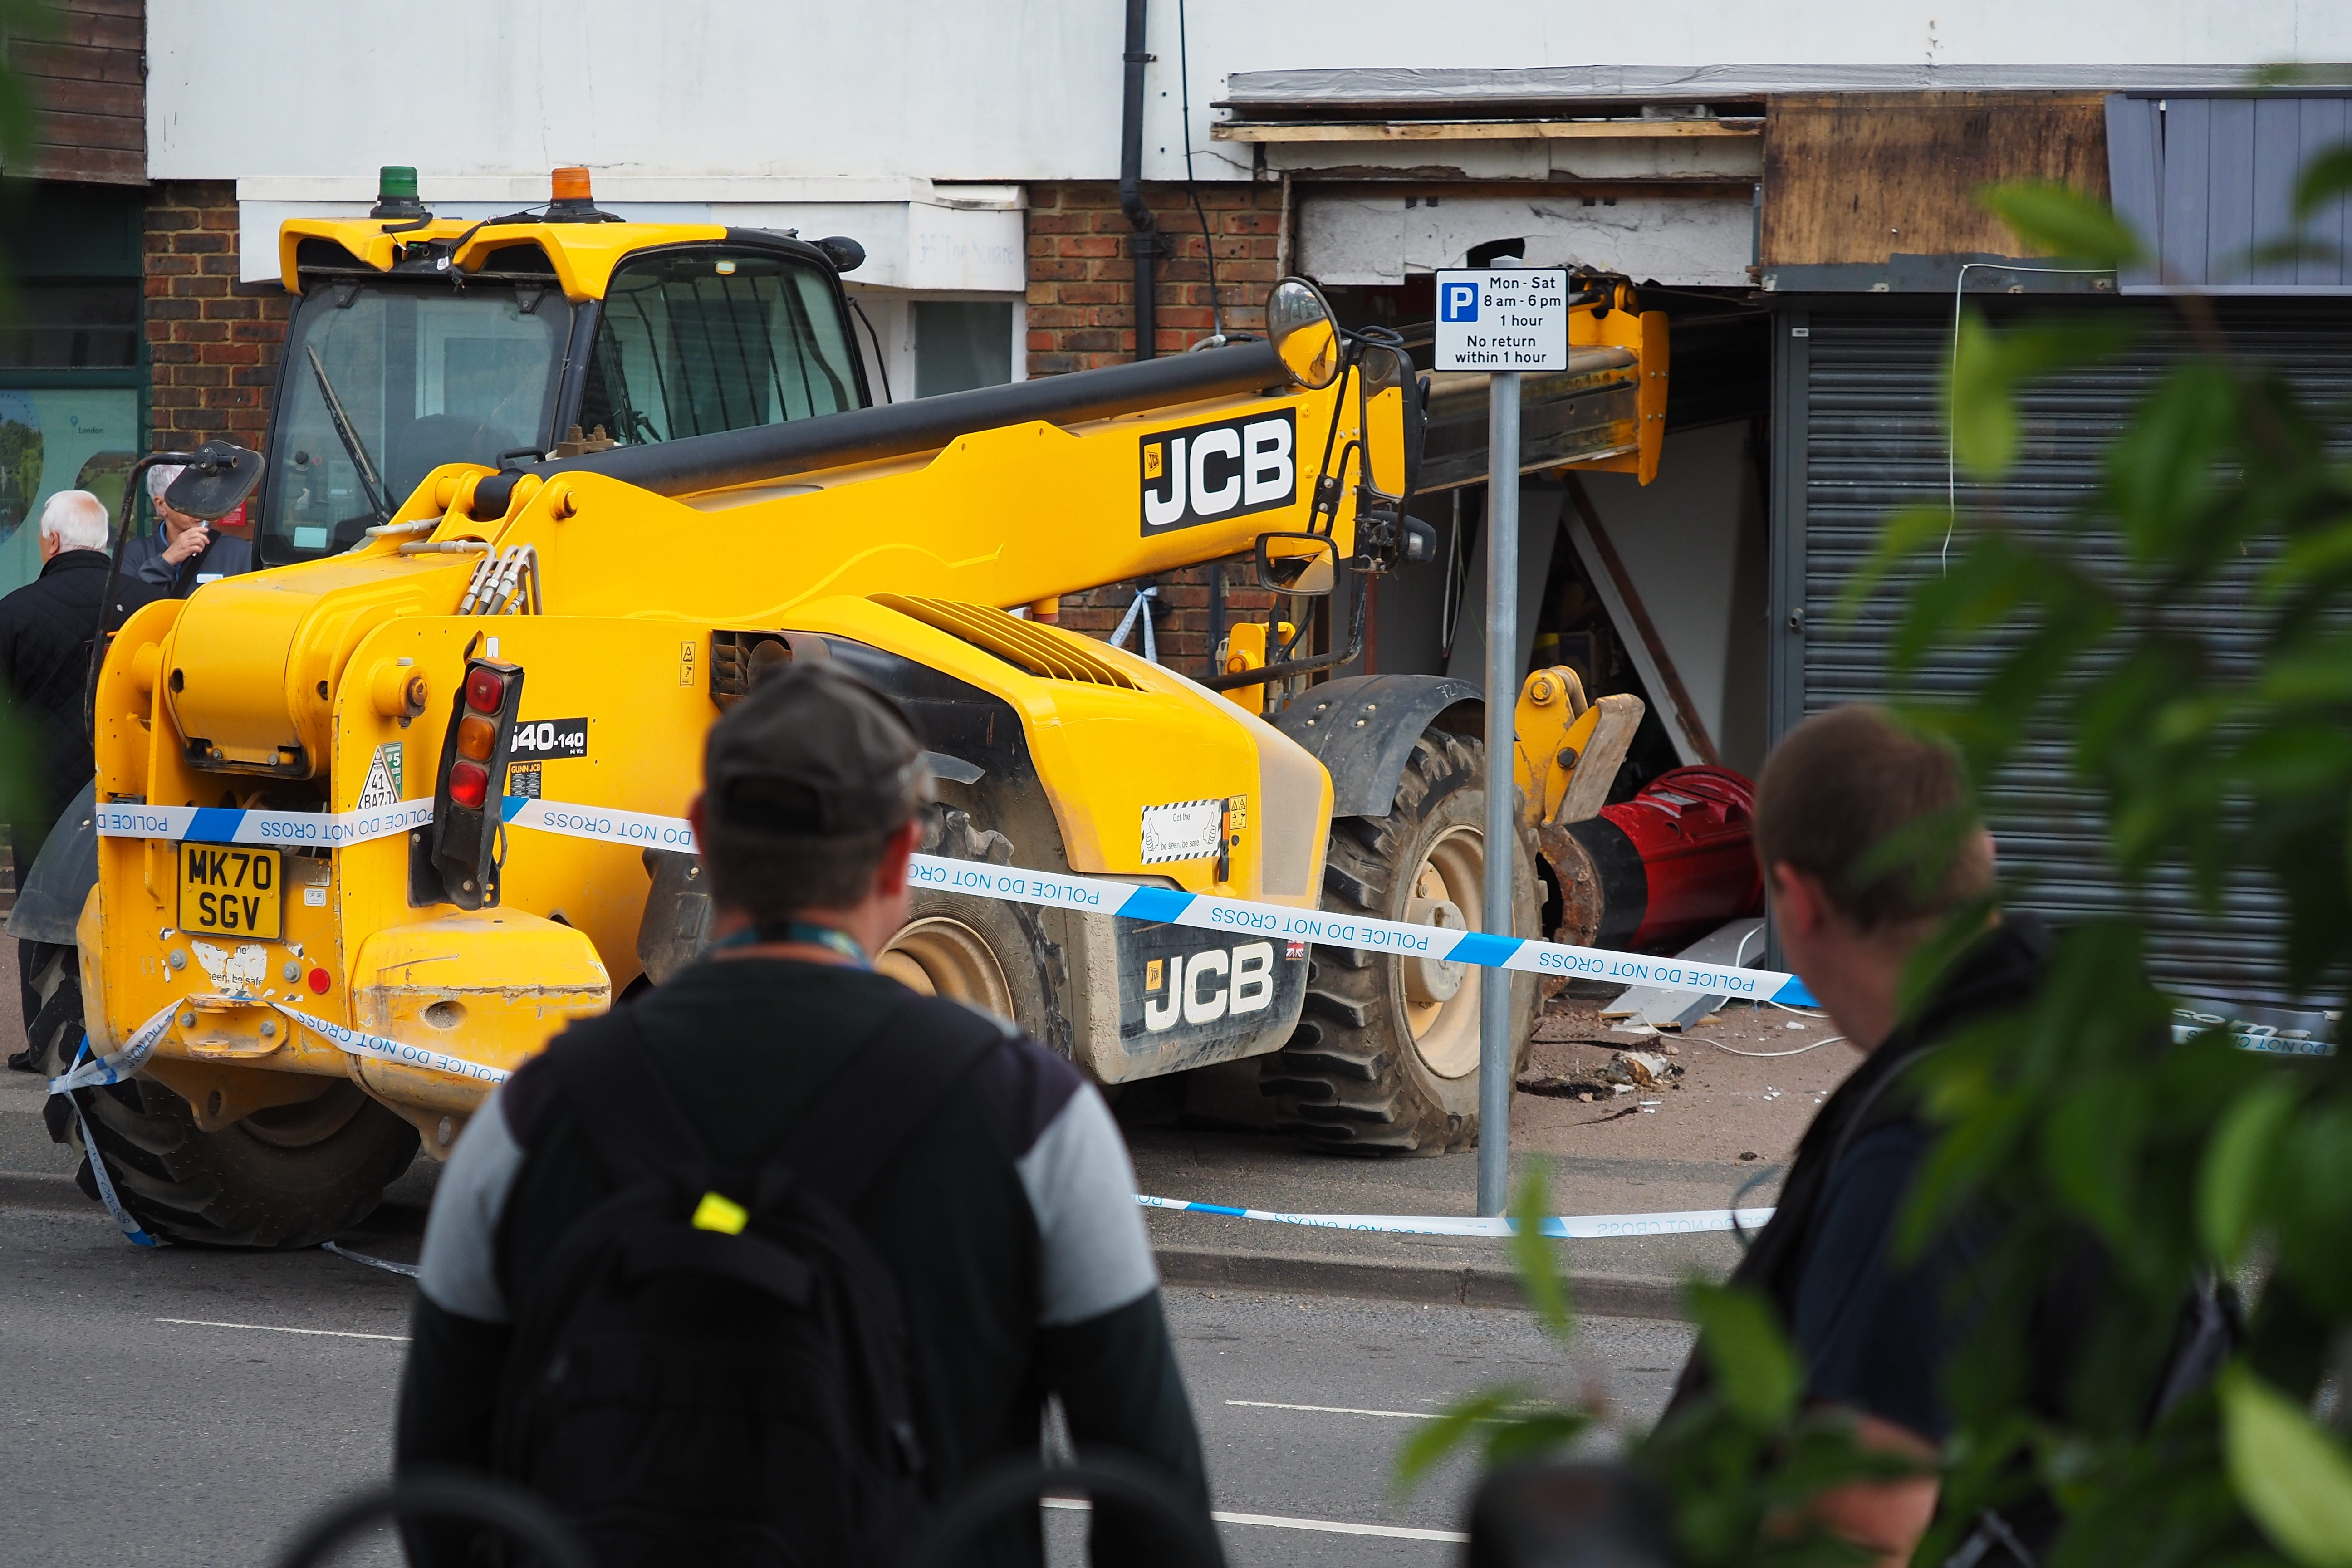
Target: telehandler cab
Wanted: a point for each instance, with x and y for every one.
(469, 606)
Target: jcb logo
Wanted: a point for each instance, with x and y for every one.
(1210, 471)
(1202, 987)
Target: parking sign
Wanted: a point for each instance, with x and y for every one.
(1514, 319)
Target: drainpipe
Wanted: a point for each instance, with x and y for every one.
(1144, 242)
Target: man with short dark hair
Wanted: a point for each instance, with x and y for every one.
(1870, 847)
(1006, 1217)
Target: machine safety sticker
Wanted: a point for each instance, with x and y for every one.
(383, 778)
(1186, 831)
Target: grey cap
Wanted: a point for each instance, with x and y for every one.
(812, 751)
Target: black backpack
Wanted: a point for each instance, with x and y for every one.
(710, 1367)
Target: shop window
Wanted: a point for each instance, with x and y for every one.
(71, 357)
(960, 344)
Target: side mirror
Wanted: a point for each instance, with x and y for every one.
(1296, 563)
(1382, 369)
(215, 482)
(1304, 334)
(845, 254)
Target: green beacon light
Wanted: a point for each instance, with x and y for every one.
(395, 188)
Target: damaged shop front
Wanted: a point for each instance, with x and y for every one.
(1657, 591)
(1812, 237)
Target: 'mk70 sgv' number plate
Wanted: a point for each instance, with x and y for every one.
(230, 892)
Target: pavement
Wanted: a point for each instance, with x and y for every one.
(1716, 1135)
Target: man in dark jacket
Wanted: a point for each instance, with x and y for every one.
(184, 552)
(1875, 1334)
(46, 629)
(1006, 1219)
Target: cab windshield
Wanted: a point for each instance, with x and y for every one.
(389, 382)
(694, 341)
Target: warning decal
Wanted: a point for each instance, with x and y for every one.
(1187, 830)
(383, 779)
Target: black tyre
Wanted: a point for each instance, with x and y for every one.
(1385, 1059)
(990, 954)
(291, 1176)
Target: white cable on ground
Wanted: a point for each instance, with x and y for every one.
(1735, 1051)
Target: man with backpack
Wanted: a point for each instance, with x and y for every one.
(756, 1267)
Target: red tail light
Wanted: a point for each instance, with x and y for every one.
(470, 784)
(457, 860)
(485, 690)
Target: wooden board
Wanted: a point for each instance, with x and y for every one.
(1478, 130)
(87, 83)
(1857, 178)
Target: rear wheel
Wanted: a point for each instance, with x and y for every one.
(1386, 1055)
(289, 1176)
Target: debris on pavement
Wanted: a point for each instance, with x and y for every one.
(1641, 1069)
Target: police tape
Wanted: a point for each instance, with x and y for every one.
(122, 1063)
(284, 829)
(398, 1053)
(112, 1068)
(1205, 912)
(975, 879)
(93, 1072)
(1577, 1227)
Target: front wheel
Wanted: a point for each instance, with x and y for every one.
(289, 1176)
(1386, 1057)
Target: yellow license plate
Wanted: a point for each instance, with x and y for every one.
(229, 891)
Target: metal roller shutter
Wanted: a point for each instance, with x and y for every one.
(1866, 437)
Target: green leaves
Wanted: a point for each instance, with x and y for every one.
(1988, 367)
(1531, 1254)
(2292, 1477)
(2164, 473)
(2059, 221)
(1754, 1366)
(2236, 1170)
(2326, 179)
(1425, 1448)
(1511, 1425)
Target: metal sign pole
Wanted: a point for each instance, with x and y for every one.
(1495, 1042)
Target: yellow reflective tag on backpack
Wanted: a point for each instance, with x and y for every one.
(719, 1213)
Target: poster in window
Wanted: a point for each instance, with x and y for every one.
(59, 439)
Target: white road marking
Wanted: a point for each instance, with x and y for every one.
(279, 1328)
(1284, 1521)
(1337, 1410)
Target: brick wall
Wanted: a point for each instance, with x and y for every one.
(212, 340)
(1082, 280)
(1082, 315)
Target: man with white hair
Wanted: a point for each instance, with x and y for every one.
(184, 553)
(46, 629)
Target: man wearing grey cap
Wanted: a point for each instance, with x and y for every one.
(986, 1176)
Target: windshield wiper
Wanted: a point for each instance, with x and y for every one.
(369, 483)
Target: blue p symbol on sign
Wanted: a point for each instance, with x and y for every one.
(1460, 302)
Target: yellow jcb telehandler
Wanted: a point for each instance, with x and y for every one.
(318, 897)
